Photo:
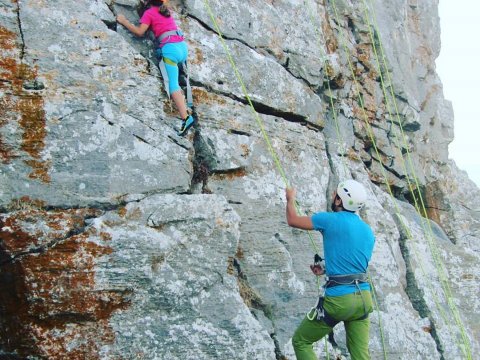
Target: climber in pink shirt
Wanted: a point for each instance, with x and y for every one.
(171, 47)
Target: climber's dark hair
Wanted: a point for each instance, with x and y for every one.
(162, 7)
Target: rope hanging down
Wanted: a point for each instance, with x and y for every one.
(257, 117)
(265, 136)
(410, 185)
(340, 140)
(444, 284)
(370, 133)
(421, 209)
(267, 140)
(372, 139)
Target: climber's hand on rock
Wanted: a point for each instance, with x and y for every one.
(121, 19)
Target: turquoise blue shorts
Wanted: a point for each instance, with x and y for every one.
(176, 52)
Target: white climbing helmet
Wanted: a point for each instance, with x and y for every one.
(353, 195)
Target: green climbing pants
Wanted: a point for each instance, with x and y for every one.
(347, 308)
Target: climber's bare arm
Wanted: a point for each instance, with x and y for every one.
(136, 30)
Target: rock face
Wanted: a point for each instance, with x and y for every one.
(121, 240)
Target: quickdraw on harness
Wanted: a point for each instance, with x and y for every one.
(318, 312)
(183, 67)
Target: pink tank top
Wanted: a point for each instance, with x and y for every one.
(160, 24)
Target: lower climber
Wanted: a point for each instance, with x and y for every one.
(171, 48)
(348, 245)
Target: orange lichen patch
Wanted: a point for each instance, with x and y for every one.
(424, 54)
(56, 225)
(5, 152)
(26, 202)
(13, 238)
(229, 175)
(363, 53)
(169, 108)
(245, 150)
(6, 39)
(204, 97)
(359, 69)
(353, 155)
(85, 337)
(19, 105)
(250, 296)
(62, 271)
(427, 329)
(414, 23)
(332, 45)
(198, 58)
(365, 105)
(376, 178)
(105, 236)
(33, 123)
(230, 267)
(368, 113)
(122, 211)
(434, 89)
(7, 65)
(339, 81)
(372, 75)
(329, 71)
(434, 201)
(39, 170)
(49, 304)
(134, 213)
(239, 254)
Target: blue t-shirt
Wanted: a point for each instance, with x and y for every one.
(347, 245)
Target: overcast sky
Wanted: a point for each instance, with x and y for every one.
(459, 68)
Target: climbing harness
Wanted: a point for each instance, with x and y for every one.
(160, 41)
(319, 313)
(347, 279)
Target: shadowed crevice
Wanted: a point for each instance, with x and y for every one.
(416, 294)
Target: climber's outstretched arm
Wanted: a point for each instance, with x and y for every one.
(293, 219)
(136, 30)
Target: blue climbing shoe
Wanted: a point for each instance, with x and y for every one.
(186, 124)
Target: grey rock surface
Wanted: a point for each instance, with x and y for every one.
(119, 239)
(178, 269)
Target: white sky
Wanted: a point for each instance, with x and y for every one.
(459, 69)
